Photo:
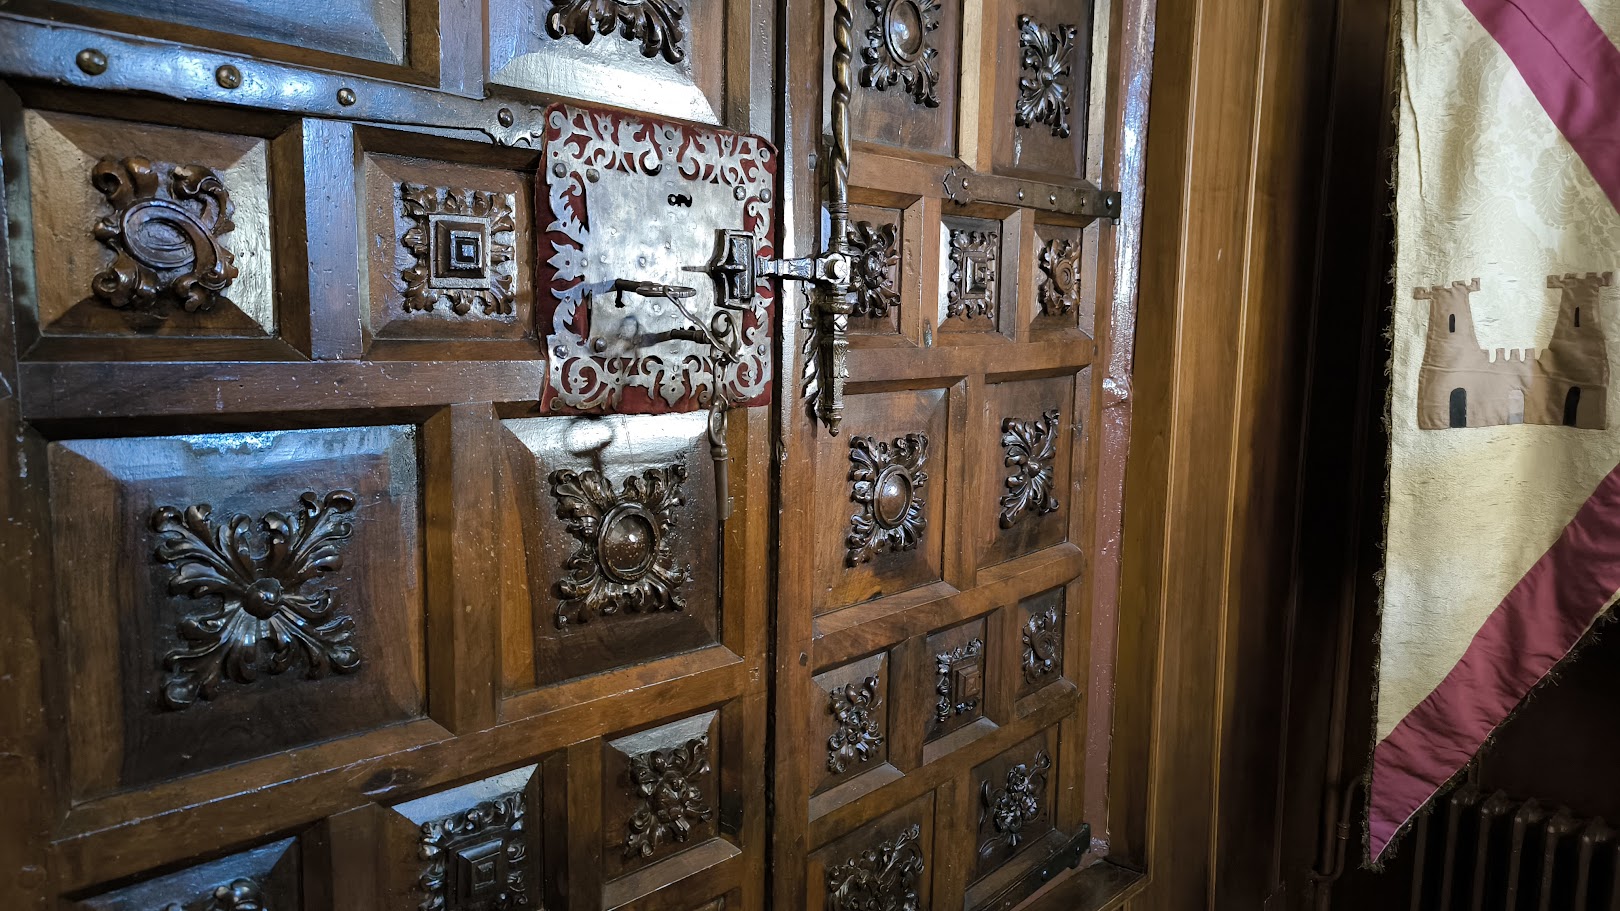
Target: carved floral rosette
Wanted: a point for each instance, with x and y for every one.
(582, 381)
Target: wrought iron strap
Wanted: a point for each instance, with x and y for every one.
(833, 300)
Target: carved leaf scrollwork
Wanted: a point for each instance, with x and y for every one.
(1060, 277)
(476, 859)
(897, 48)
(655, 23)
(165, 236)
(265, 618)
(874, 248)
(859, 735)
(671, 801)
(622, 561)
(1041, 644)
(1031, 446)
(1011, 808)
(889, 480)
(1043, 96)
(883, 878)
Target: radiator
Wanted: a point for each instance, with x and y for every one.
(1488, 852)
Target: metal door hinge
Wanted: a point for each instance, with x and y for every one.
(963, 186)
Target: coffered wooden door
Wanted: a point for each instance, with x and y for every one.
(419, 493)
(945, 619)
(352, 561)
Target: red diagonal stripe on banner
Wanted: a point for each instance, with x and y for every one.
(1534, 628)
(1573, 69)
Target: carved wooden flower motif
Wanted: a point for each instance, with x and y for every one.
(1031, 446)
(1041, 644)
(671, 802)
(888, 489)
(655, 23)
(164, 236)
(265, 619)
(883, 878)
(1012, 807)
(897, 48)
(875, 256)
(622, 561)
(1043, 96)
(859, 734)
(1060, 277)
(476, 858)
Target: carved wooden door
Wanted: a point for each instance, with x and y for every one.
(945, 612)
(364, 545)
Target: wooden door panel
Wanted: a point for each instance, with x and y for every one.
(887, 514)
(621, 537)
(223, 596)
(1025, 459)
(886, 864)
(393, 38)
(443, 228)
(477, 847)
(852, 703)
(1065, 300)
(1042, 76)
(662, 56)
(907, 71)
(99, 199)
(978, 288)
(270, 876)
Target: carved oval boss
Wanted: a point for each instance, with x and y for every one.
(622, 559)
(165, 238)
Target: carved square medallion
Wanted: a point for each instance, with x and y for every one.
(462, 244)
(972, 268)
(477, 845)
(957, 659)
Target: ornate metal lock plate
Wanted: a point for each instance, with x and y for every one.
(632, 208)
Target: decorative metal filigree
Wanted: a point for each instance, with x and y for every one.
(875, 253)
(859, 735)
(462, 243)
(897, 48)
(165, 236)
(888, 488)
(671, 802)
(595, 374)
(1043, 96)
(883, 878)
(476, 859)
(265, 619)
(1042, 644)
(1014, 806)
(1031, 446)
(1060, 277)
(971, 290)
(655, 23)
(622, 561)
(957, 680)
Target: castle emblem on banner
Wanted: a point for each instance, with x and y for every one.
(1567, 383)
